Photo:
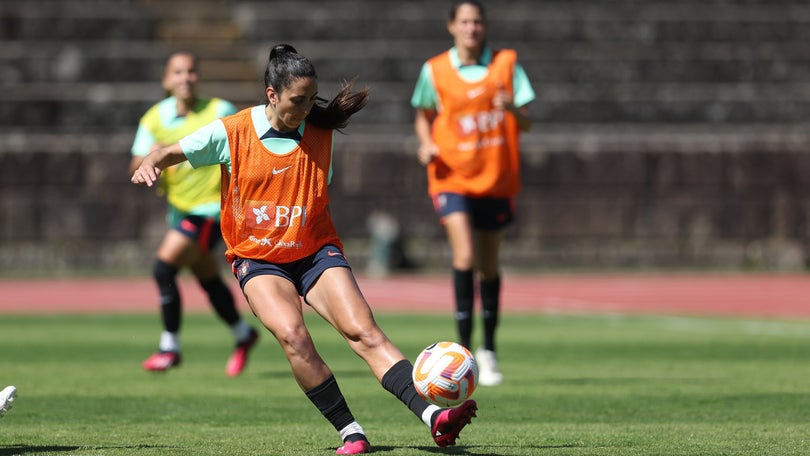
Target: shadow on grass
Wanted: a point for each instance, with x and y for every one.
(15, 450)
(476, 449)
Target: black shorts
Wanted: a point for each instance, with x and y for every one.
(204, 230)
(488, 214)
(302, 273)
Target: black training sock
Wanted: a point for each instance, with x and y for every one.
(221, 299)
(399, 382)
(166, 277)
(490, 302)
(465, 294)
(330, 401)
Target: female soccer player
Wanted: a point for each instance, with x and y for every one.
(280, 239)
(470, 107)
(193, 214)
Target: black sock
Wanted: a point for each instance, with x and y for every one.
(166, 277)
(399, 382)
(490, 303)
(465, 294)
(330, 401)
(221, 299)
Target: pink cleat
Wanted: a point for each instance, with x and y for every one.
(238, 360)
(162, 361)
(450, 422)
(356, 447)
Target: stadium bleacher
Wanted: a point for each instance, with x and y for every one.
(666, 133)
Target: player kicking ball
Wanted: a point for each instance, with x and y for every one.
(283, 263)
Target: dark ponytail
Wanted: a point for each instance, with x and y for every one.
(336, 113)
(285, 65)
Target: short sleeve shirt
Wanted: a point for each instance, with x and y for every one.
(424, 95)
(187, 191)
(209, 145)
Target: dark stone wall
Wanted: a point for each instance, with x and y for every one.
(667, 133)
(736, 207)
(671, 208)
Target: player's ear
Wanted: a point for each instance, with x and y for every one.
(272, 96)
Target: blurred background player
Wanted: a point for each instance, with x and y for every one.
(470, 108)
(6, 398)
(193, 214)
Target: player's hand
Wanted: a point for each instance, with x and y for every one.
(503, 99)
(427, 152)
(146, 174)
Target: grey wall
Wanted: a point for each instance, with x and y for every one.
(667, 134)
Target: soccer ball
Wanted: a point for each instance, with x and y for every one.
(445, 373)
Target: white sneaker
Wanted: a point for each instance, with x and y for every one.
(488, 372)
(6, 398)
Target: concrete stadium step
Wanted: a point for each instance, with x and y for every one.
(386, 139)
(122, 103)
(623, 62)
(118, 60)
(73, 20)
(531, 21)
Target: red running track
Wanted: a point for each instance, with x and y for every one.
(751, 295)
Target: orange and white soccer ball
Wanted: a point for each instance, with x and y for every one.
(445, 373)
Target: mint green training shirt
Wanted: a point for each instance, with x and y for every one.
(424, 94)
(209, 145)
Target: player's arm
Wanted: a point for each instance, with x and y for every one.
(135, 163)
(144, 142)
(424, 101)
(157, 160)
(523, 94)
(503, 100)
(422, 125)
(522, 116)
(137, 159)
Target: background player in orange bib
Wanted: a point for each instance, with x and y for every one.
(276, 165)
(470, 109)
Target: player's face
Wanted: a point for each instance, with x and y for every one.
(468, 28)
(180, 77)
(292, 105)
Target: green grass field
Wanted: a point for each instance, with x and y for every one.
(576, 385)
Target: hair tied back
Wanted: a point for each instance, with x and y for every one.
(280, 49)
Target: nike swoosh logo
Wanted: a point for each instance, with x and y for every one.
(472, 93)
(277, 171)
